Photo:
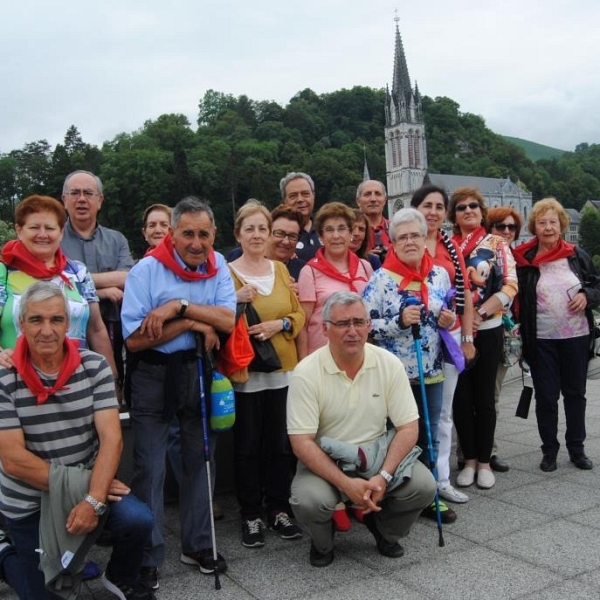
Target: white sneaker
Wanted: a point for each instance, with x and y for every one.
(485, 479)
(452, 495)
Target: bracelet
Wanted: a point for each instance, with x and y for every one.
(466, 339)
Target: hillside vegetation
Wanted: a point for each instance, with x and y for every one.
(533, 150)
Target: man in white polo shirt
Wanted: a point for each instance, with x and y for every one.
(348, 390)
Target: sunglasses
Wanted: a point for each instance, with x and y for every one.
(463, 207)
(504, 226)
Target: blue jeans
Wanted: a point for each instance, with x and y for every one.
(129, 521)
(435, 396)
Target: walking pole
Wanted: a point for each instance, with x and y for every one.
(203, 412)
(416, 333)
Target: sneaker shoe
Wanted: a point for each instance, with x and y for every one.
(124, 591)
(150, 576)
(448, 492)
(282, 525)
(447, 515)
(203, 559)
(320, 559)
(385, 548)
(252, 535)
(341, 520)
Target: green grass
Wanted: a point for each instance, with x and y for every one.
(535, 151)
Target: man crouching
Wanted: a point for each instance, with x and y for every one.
(347, 391)
(60, 446)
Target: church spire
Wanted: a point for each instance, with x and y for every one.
(401, 86)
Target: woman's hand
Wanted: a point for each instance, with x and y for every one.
(468, 350)
(266, 330)
(446, 319)
(246, 293)
(411, 315)
(578, 304)
(6, 359)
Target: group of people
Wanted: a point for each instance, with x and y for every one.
(341, 297)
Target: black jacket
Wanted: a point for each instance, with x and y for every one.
(581, 264)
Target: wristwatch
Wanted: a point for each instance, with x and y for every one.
(466, 339)
(388, 478)
(183, 306)
(99, 507)
(482, 313)
(287, 324)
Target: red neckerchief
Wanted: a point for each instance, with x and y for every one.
(469, 243)
(561, 250)
(165, 253)
(408, 274)
(16, 256)
(320, 263)
(25, 368)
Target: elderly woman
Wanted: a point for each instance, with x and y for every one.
(493, 283)
(506, 222)
(432, 202)
(361, 239)
(263, 460)
(558, 288)
(156, 224)
(36, 255)
(335, 267)
(407, 273)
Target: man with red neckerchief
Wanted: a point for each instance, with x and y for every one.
(181, 288)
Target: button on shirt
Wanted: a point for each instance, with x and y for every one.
(150, 284)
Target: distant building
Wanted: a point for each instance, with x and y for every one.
(572, 233)
(595, 204)
(406, 151)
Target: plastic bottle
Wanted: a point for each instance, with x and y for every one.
(222, 399)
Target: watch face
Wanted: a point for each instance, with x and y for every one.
(100, 509)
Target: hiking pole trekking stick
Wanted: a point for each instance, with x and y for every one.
(200, 355)
(416, 333)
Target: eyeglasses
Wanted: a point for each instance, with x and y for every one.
(504, 226)
(281, 234)
(86, 193)
(463, 207)
(342, 229)
(409, 237)
(347, 323)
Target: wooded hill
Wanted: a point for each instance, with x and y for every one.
(241, 148)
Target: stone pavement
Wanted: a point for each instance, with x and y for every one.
(534, 536)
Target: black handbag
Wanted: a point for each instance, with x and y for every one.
(266, 360)
(524, 400)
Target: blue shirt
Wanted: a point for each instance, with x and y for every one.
(150, 284)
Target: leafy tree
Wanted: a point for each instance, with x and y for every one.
(589, 231)
(7, 233)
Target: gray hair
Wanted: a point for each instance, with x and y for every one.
(407, 215)
(38, 292)
(82, 172)
(360, 187)
(343, 298)
(290, 177)
(191, 204)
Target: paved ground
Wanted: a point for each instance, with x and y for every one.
(532, 537)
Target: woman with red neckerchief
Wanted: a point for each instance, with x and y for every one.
(558, 287)
(493, 283)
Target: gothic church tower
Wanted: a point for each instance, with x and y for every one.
(405, 148)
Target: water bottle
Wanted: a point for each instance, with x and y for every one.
(222, 399)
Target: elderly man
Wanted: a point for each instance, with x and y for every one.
(347, 391)
(105, 252)
(181, 289)
(371, 199)
(298, 191)
(60, 445)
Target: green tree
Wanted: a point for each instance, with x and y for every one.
(589, 231)
(7, 233)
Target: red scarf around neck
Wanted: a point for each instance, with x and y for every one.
(469, 243)
(408, 274)
(561, 250)
(165, 253)
(25, 368)
(320, 263)
(16, 256)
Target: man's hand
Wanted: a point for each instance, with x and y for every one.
(365, 493)
(6, 359)
(117, 490)
(211, 339)
(152, 325)
(114, 294)
(82, 519)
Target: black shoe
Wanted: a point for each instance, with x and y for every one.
(150, 576)
(204, 561)
(548, 463)
(126, 592)
(320, 559)
(499, 465)
(389, 549)
(281, 524)
(581, 461)
(252, 533)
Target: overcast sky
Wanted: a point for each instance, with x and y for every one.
(529, 68)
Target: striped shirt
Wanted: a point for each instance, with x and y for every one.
(60, 431)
